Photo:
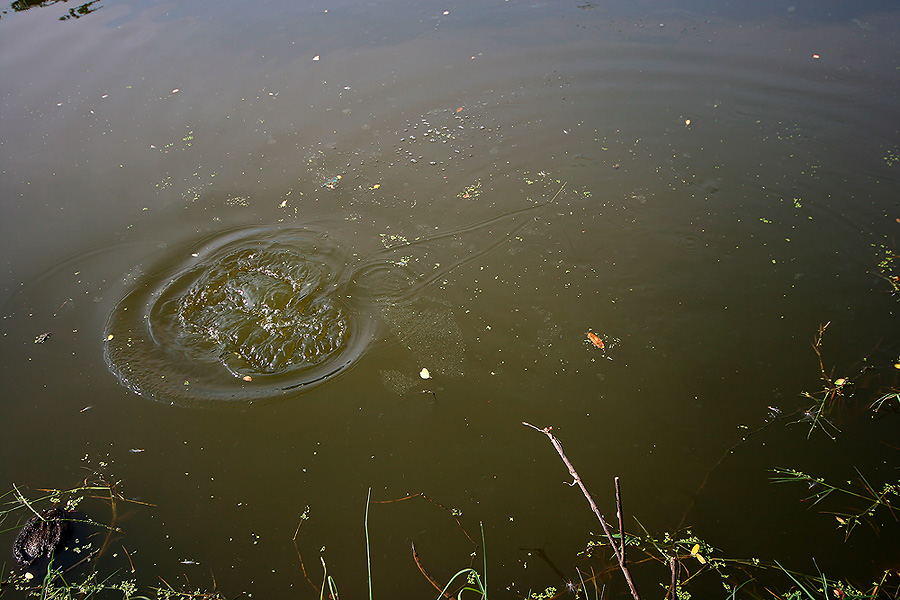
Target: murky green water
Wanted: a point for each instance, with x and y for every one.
(248, 228)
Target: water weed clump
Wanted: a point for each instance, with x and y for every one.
(70, 569)
(687, 556)
(888, 268)
(872, 499)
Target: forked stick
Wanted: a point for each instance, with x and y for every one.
(619, 551)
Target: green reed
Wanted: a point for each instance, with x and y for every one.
(873, 499)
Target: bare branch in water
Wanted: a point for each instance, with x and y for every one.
(619, 550)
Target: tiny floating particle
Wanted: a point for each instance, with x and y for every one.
(316, 57)
(425, 374)
(175, 91)
(247, 378)
(816, 56)
(840, 382)
(137, 450)
(595, 339)
(687, 121)
(42, 338)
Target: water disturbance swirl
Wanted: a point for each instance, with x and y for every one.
(248, 315)
(264, 312)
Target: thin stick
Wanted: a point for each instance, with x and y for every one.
(22, 499)
(129, 557)
(673, 567)
(425, 573)
(722, 458)
(439, 505)
(619, 514)
(558, 191)
(299, 557)
(577, 481)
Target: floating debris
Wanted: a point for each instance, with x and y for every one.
(42, 338)
(424, 374)
(595, 340)
(470, 191)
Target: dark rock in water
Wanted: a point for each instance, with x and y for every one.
(40, 536)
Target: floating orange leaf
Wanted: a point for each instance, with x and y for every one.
(595, 339)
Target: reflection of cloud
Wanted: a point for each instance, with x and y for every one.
(74, 13)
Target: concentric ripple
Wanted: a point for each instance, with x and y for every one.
(251, 314)
(259, 313)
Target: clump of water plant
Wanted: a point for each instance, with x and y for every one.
(687, 556)
(887, 268)
(830, 397)
(819, 587)
(871, 498)
(70, 571)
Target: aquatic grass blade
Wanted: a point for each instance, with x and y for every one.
(368, 551)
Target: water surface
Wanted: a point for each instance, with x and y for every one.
(467, 189)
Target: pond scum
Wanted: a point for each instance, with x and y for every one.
(669, 565)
